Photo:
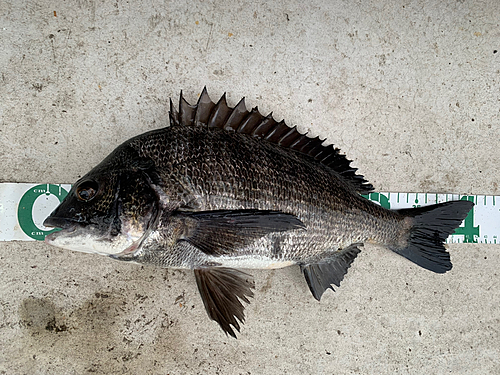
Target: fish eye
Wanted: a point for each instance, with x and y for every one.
(87, 191)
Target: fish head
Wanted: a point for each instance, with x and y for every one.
(108, 211)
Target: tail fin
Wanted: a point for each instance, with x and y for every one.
(431, 226)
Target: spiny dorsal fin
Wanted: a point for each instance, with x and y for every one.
(240, 120)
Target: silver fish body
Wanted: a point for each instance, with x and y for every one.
(225, 188)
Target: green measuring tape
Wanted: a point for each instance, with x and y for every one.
(23, 208)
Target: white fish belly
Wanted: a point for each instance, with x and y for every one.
(252, 261)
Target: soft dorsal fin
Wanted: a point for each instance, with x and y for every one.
(240, 120)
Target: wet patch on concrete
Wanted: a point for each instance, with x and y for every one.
(108, 332)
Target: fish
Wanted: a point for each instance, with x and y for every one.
(225, 189)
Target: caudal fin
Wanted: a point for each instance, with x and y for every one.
(431, 226)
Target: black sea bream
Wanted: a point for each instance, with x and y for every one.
(225, 188)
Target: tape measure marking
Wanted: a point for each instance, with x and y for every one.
(26, 213)
(23, 207)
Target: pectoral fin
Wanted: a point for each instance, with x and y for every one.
(222, 290)
(221, 232)
(322, 274)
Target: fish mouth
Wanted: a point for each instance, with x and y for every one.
(58, 222)
(66, 226)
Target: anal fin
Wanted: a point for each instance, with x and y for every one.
(322, 274)
(222, 290)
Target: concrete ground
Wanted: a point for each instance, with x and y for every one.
(408, 89)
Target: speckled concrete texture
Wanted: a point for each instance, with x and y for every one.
(408, 89)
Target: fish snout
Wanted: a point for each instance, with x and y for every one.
(56, 222)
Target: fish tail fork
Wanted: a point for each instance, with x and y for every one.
(430, 226)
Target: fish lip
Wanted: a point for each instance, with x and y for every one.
(59, 222)
(65, 226)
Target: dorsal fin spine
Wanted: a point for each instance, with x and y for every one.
(248, 124)
(204, 108)
(173, 115)
(289, 138)
(276, 133)
(265, 126)
(237, 115)
(186, 112)
(299, 143)
(219, 114)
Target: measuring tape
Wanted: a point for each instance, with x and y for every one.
(24, 207)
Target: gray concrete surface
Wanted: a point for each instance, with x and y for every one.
(408, 89)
